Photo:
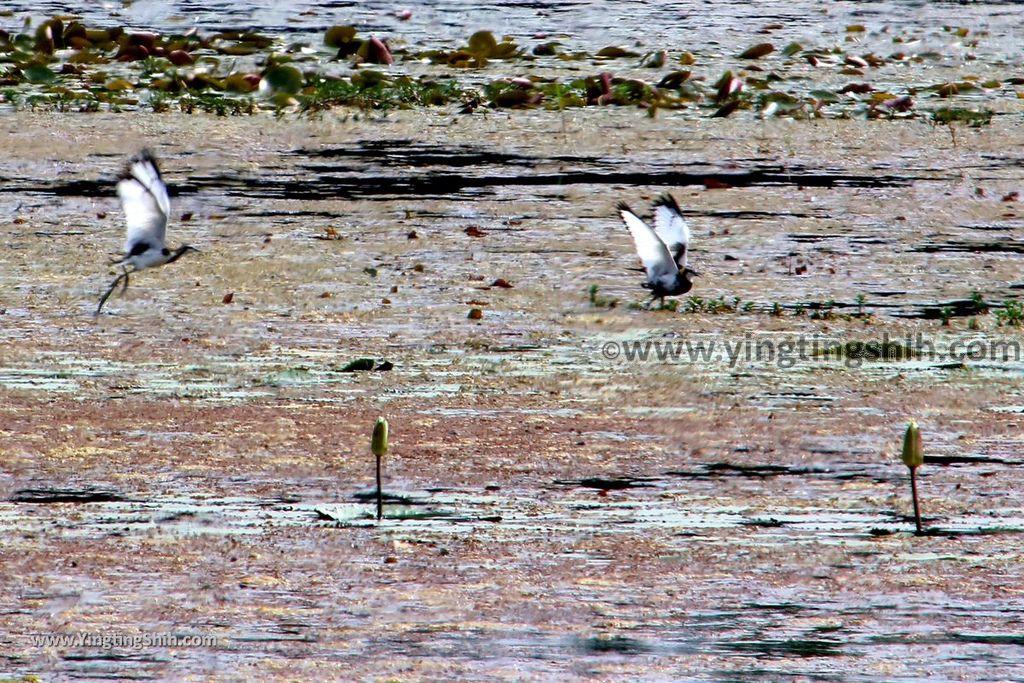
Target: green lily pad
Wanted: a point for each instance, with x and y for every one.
(757, 51)
(338, 36)
(482, 43)
(613, 52)
(39, 73)
(283, 79)
(359, 365)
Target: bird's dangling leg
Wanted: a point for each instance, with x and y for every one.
(110, 290)
(124, 287)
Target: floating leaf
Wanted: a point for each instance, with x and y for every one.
(674, 79)
(859, 88)
(338, 36)
(757, 51)
(824, 96)
(241, 82)
(613, 52)
(475, 314)
(39, 73)
(482, 43)
(180, 58)
(282, 79)
(49, 36)
(792, 49)
(358, 365)
(118, 84)
(726, 109)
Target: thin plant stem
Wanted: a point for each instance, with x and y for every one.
(913, 489)
(380, 496)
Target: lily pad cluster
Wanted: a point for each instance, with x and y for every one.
(64, 64)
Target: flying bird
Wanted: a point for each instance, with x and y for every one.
(662, 249)
(146, 207)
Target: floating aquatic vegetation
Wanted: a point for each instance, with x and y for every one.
(757, 51)
(614, 52)
(481, 47)
(64, 64)
(974, 119)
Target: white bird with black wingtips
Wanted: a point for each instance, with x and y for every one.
(662, 249)
(146, 207)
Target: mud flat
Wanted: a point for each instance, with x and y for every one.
(186, 466)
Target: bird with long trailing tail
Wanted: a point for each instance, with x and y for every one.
(146, 207)
(663, 248)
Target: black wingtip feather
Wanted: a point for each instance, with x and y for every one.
(623, 206)
(667, 200)
(143, 156)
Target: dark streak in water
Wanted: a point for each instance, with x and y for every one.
(452, 171)
(54, 495)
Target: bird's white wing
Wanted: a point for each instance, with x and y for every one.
(144, 200)
(671, 228)
(653, 252)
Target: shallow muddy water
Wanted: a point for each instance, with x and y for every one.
(198, 465)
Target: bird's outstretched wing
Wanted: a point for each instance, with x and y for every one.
(144, 200)
(653, 252)
(671, 228)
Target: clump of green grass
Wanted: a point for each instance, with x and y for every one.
(823, 311)
(598, 301)
(1012, 314)
(978, 304)
(696, 304)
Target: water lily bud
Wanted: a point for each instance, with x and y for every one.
(913, 454)
(379, 445)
